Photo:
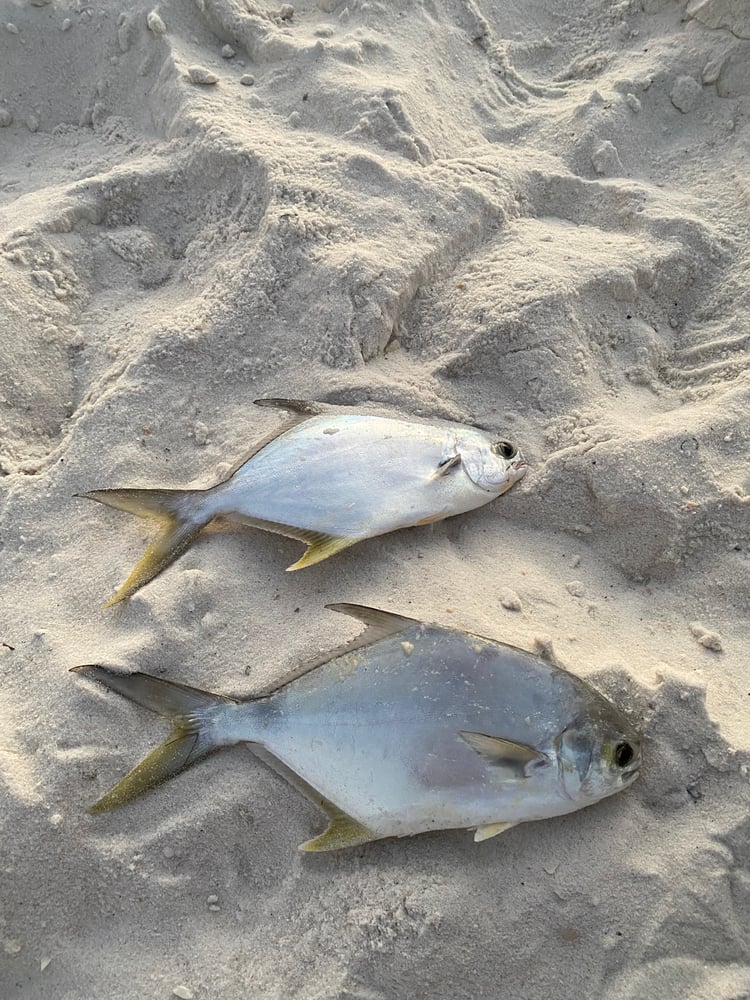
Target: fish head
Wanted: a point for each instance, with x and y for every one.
(491, 464)
(597, 757)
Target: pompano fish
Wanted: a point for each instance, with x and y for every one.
(410, 727)
(330, 479)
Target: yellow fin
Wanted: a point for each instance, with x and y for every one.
(491, 830)
(320, 547)
(343, 831)
(179, 751)
(175, 538)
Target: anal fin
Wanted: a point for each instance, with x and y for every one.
(319, 544)
(319, 547)
(491, 830)
(342, 831)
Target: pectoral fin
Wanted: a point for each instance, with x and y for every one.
(517, 759)
(446, 466)
(491, 830)
(343, 831)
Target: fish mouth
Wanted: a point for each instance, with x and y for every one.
(631, 775)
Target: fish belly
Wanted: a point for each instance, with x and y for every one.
(350, 476)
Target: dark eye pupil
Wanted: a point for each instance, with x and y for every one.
(504, 448)
(623, 754)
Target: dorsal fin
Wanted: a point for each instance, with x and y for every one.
(380, 624)
(304, 407)
(383, 622)
(300, 408)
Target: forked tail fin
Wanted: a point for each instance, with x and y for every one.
(182, 514)
(194, 734)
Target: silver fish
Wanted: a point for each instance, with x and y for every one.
(410, 727)
(329, 479)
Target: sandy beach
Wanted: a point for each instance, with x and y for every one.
(531, 216)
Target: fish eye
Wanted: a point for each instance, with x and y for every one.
(505, 449)
(623, 754)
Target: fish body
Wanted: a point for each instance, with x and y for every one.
(416, 727)
(331, 479)
(356, 476)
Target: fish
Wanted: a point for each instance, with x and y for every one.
(409, 727)
(329, 479)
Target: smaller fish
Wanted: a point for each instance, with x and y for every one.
(407, 728)
(330, 479)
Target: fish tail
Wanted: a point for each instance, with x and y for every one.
(194, 734)
(182, 515)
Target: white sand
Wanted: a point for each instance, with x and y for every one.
(535, 215)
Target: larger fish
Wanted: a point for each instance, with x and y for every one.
(410, 727)
(330, 479)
